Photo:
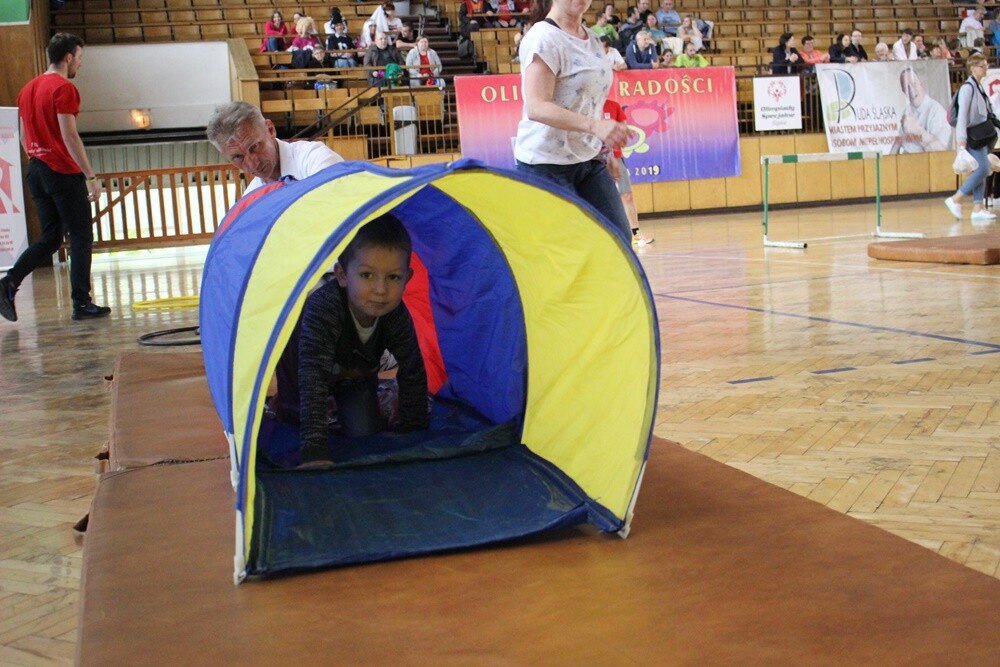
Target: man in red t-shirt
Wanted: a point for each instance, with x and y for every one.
(619, 172)
(60, 178)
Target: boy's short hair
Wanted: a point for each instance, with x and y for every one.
(385, 231)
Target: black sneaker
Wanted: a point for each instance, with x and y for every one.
(89, 311)
(7, 292)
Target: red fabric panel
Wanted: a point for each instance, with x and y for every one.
(245, 201)
(417, 298)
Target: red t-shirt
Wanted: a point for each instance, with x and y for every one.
(613, 111)
(39, 103)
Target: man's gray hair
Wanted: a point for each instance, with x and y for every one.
(228, 118)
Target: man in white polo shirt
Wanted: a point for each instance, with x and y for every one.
(250, 142)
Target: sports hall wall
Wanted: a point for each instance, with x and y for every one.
(799, 183)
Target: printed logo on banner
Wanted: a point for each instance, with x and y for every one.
(894, 107)
(777, 103)
(840, 109)
(685, 125)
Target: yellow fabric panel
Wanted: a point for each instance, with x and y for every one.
(284, 257)
(591, 345)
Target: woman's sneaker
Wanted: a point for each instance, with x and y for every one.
(89, 311)
(982, 217)
(954, 207)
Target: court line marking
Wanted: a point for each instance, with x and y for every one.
(812, 318)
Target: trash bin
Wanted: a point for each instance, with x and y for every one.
(404, 137)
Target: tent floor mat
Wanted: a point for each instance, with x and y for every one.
(971, 249)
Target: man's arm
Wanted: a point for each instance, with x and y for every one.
(74, 144)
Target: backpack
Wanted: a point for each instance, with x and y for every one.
(953, 109)
(466, 48)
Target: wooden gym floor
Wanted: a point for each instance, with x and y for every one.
(868, 386)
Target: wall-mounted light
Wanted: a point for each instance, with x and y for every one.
(140, 119)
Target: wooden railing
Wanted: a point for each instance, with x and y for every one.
(164, 207)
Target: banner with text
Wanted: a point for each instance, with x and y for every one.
(13, 226)
(777, 103)
(683, 120)
(890, 107)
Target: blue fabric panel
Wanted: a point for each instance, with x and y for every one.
(312, 519)
(454, 429)
(476, 305)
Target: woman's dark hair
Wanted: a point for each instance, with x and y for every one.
(539, 10)
(783, 40)
(61, 45)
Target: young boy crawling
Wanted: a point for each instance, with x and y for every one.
(346, 326)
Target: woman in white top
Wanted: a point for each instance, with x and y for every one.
(565, 79)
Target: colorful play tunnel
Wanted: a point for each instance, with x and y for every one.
(540, 338)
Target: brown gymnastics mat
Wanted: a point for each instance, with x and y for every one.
(161, 410)
(720, 569)
(971, 249)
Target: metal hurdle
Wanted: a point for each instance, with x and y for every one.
(766, 161)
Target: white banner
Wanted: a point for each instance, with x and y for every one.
(13, 226)
(777, 103)
(890, 107)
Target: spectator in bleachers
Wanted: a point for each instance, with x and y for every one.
(629, 28)
(276, 36)
(501, 13)
(688, 32)
(318, 58)
(424, 64)
(972, 27)
(918, 41)
(387, 21)
(840, 50)
(381, 54)
(942, 45)
(641, 53)
(468, 12)
(603, 28)
(335, 18)
(654, 31)
(249, 141)
(810, 55)
(904, 48)
(668, 17)
(407, 39)
(883, 53)
(612, 55)
(785, 58)
(935, 53)
(609, 14)
(978, 46)
(367, 36)
(307, 37)
(857, 48)
(341, 46)
(690, 57)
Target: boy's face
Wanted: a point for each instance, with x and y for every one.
(374, 281)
